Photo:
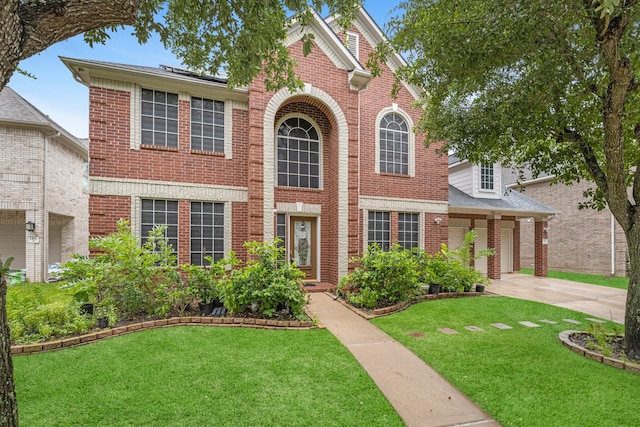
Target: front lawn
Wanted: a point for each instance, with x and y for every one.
(197, 376)
(593, 279)
(521, 376)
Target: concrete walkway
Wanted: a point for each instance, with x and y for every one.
(600, 301)
(418, 393)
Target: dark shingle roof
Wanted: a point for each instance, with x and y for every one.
(511, 202)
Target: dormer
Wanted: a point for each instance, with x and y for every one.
(481, 181)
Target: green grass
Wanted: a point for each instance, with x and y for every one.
(521, 376)
(49, 292)
(200, 376)
(593, 279)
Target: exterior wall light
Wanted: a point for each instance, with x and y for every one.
(437, 220)
(31, 226)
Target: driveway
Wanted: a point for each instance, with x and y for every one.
(600, 301)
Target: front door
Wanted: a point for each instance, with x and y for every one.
(303, 245)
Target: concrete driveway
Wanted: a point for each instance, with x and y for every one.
(600, 301)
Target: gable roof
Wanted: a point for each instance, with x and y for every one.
(511, 203)
(326, 39)
(15, 111)
(374, 36)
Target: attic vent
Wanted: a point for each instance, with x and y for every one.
(353, 44)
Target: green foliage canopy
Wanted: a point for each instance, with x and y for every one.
(533, 84)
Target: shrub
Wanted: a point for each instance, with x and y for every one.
(31, 318)
(266, 285)
(383, 278)
(125, 279)
(203, 281)
(452, 268)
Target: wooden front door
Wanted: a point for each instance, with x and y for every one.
(303, 245)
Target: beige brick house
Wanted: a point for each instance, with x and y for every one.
(580, 240)
(43, 189)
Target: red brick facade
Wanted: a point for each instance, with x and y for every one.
(345, 117)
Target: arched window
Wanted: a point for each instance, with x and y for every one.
(394, 144)
(298, 154)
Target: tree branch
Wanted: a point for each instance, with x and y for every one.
(47, 22)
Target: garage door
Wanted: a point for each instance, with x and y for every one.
(12, 244)
(456, 237)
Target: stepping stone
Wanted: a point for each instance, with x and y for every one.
(551, 322)
(575, 322)
(218, 312)
(592, 319)
(529, 324)
(501, 326)
(448, 331)
(417, 334)
(474, 329)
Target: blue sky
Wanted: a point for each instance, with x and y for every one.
(57, 94)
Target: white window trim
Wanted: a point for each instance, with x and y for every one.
(320, 148)
(412, 139)
(493, 178)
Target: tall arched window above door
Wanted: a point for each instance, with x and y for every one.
(298, 153)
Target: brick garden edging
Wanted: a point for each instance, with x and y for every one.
(576, 348)
(18, 350)
(401, 306)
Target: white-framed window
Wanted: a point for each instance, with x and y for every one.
(389, 156)
(486, 176)
(207, 232)
(394, 144)
(160, 212)
(207, 125)
(379, 229)
(159, 118)
(408, 230)
(298, 154)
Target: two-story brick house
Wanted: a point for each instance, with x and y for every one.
(329, 169)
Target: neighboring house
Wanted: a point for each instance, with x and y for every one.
(329, 169)
(43, 189)
(478, 200)
(583, 241)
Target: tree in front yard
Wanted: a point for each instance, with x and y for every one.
(548, 85)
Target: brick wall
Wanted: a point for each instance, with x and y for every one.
(579, 240)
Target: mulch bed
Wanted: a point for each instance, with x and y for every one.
(586, 340)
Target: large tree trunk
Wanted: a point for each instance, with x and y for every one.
(632, 315)
(8, 403)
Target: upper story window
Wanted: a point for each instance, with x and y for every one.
(298, 154)
(486, 176)
(159, 118)
(207, 125)
(394, 144)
